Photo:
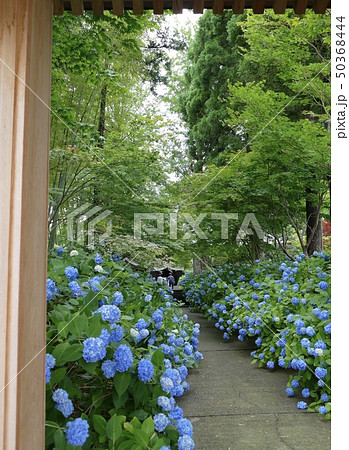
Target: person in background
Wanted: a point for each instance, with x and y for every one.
(171, 281)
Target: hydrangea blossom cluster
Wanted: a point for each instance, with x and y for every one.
(71, 273)
(286, 307)
(49, 364)
(77, 432)
(62, 402)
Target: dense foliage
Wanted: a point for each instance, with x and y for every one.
(285, 306)
(118, 353)
(256, 100)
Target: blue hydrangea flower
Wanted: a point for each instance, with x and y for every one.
(158, 315)
(62, 402)
(322, 410)
(324, 315)
(77, 432)
(94, 349)
(117, 298)
(294, 383)
(147, 298)
(164, 403)
(123, 358)
(183, 372)
(141, 324)
(71, 273)
(59, 250)
(166, 384)
(160, 422)
(109, 368)
(66, 408)
(270, 365)
(324, 397)
(310, 331)
(323, 285)
(176, 413)
(98, 259)
(302, 405)
(49, 364)
(95, 283)
(51, 289)
(105, 336)
(145, 370)
(320, 372)
(305, 343)
(327, 328)
(320, 344)
(109, 313)
(116, 334)
(184, 426)
(60, 396)
(281, 362)
(185, 443)
(290, 392)
(305, 392)
(188, 349)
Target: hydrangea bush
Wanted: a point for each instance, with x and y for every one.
(285, 307)
(118, 353)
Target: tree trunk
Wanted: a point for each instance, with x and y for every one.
(314, 228)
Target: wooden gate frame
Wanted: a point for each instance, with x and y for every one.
(25, 85)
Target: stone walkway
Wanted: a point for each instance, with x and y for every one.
(235, 405)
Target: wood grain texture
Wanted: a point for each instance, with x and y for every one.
(138, 7)
(118, 7)
(300, 6)
(25, 46)
(258, 6)
(177, 6)
(77, 7)
(279, 6)
(97, 7)
(238, 6)
(58, 7)
(218, 6)
(320, 6)
(158, 6)
(198, 6)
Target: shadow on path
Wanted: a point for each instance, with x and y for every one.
(235, 405)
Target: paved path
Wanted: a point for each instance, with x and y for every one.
(235, 405)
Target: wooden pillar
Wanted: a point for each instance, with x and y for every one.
(25, 50)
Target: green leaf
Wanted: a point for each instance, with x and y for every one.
(89, 367)
(126, 445)
(58, 375)
(59, 439)
(158, 358)
(73, 353)
(100, 424)
(114, 427)
(141, 438)
(122, 382)
(148, 426)
(59, 353)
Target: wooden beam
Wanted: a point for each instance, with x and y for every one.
(118, 7)
(158, 6)
(77, 7)
(258, 6)
(320, 6)
(138, 7)
(300, 6)
(198, 7)
(25, 85)
(238, 6)
(218, 6)
(279, 6)
(177, 6)
(58, 7)
(97, 7)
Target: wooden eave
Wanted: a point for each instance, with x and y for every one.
(218, 6)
